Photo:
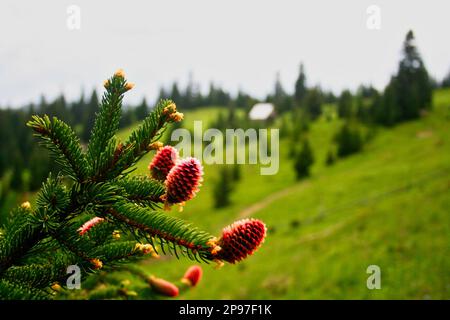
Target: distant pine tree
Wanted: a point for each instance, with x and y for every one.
(222, 189)
(409, 91)
(414, 88)
(89, 116)
(348, 140)
(142, 110)
(300, 87)
(175, 94)
(345, 104)
(304, 160)
(313, 103)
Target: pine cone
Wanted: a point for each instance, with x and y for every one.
(163, 161)
(241, 239)
(183, 181)
(89, 224)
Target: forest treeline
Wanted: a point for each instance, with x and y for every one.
(24, 165)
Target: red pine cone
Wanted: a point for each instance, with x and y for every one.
(193, 275)
(89, 224)
(241, 239)
(163, 287)
(162, 162)
(183, 181)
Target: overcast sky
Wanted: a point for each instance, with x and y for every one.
(235, 43)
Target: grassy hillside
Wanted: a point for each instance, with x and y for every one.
(388, 206)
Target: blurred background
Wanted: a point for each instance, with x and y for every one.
(360, 92)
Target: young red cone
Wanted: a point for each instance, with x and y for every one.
(183, 181)
(163, 287)
(88, 225)
(241, 239)
(192, 276)
(162, 162)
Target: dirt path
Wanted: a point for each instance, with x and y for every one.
(249, 211)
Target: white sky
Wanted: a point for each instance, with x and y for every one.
(235, 43)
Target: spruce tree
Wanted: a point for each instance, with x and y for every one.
(223, 188)
(142, 110)
(410, 90)
(300, 87)
(313, 103)
(348, 140)
(95, 216)
(304, 160)
(345, 104)
(89, 116)
(413, 83)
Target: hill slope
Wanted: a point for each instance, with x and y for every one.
(387, 206)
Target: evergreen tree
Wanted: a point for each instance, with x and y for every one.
(345, 104)
(300, 87)
(89, 116)
(96, 216)
(304, 160)
(348, 140)
(279, 95)
(222, 189)
(313, 103)
(413, 84)
(142, 110)
(175, 94)
(78, 109)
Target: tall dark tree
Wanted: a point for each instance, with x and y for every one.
(348, 140)
(142, 110)
(412, 82)
(78, 109)
(175, 93)
(304, 160)
(89, 116)
(313, 103)
(345, 104)
(300, 86)
(279, 95)
(222, 188)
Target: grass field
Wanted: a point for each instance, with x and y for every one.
(387, 206)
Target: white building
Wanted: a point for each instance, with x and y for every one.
(262, 111)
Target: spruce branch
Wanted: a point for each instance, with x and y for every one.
(62, 141)
(142, 190)
(22, 234)
(151, 129)
(34, 275)
(105, 217)
(14, 291)
(53, 195)
(102, 145)
(170, 232)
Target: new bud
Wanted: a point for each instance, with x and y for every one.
(163, 287)
(192, 276)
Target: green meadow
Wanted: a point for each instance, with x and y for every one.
(388, 205)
